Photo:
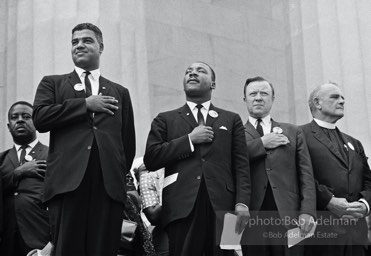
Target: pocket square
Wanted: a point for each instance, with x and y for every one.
(223, 128)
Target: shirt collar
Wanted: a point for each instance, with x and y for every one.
(324, 124)
(94, 73)
(192, 105)
(32, 144)
(265, 120)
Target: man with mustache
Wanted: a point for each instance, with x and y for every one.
(92, 146)
(203, 151)
(22, 167)
(342, 176)
(282, 181)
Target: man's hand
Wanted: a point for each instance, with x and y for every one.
(306, 223)
(201, 134)
(32, 169)
(356, 209)
(274, 140)
(338, 206)
(102, 104)
(243, 216)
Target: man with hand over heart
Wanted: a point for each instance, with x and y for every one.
(26, 222)
(283, 189)
(203, 151)
(92, 146)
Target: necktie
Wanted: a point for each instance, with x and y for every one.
(87, 84)
(259, 128)
(336, 141)
(200, 117)
(23, 154)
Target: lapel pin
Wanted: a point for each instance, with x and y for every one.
(187, 114)
(350, 146)
(277, 130)
(103, 88)
(79, 87)
(213, 114)
(28, 158)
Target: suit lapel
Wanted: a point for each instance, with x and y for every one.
(322, 138)
(14, 157)
(35, 151)
(350, 152)
(187, 115)
(210, 119)
(274, 124)
(74, 79)
(250, 129)
(104, 86)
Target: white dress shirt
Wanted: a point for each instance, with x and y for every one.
(266, 123)
(28, 149)
(93, 78)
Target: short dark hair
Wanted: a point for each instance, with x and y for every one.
(92, 27)
(21, 102)
(256, 79)
(213, 76)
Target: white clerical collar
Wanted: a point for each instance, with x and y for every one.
(265, 120)
(324, 124)
(32, 144)
(94, 73)
(192, 105)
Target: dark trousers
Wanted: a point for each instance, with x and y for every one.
(12, 243)
(86, 221)
(255, 240)
(195, 235)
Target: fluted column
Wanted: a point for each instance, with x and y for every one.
(330, 41)
(36, 41)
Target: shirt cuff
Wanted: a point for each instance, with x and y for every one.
(367, 206)
(191, 144)
(244, 205)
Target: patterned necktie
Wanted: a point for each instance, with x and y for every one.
(23, 154)
(259, 128)
(87, 84)
(200, 117)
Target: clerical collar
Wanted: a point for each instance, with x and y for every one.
(324, 124)
(265, 120)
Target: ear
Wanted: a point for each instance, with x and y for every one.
(101, 48)
(213, 85)
(316, 103)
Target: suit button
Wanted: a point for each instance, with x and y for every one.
(268, 169)
(199, 177)
(89, 147)
(203, 159)
(95, 128)
(16, 193)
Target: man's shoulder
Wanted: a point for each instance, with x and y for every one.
(57, 76)
(3, 154)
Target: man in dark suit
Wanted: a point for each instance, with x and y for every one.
(203, 151)
(92, 146)
(282, 181)
(22, 167)
(342, 175)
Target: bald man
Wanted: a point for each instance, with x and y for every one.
(343, 178)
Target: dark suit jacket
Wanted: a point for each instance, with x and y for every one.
(223, 163)
(25, 199)
(335, 176)
(60, 109)
(287, 168)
